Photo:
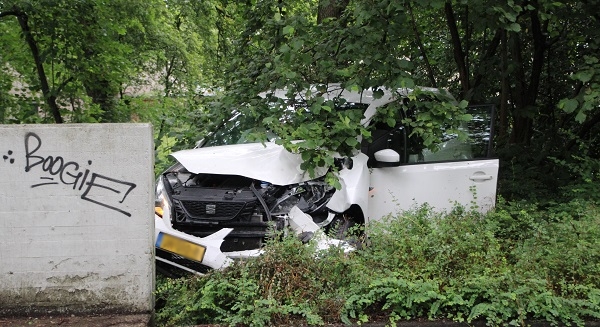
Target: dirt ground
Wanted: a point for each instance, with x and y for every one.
(139, 320)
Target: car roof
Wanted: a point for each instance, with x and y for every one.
(366, 96)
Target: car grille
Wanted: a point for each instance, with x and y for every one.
(245, 236)
(201, 210)
(213, 204)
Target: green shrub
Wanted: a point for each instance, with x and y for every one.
(509, 266)
(425, 244)
(287, 283)
(455, 266)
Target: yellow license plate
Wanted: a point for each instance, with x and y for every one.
(180, 246)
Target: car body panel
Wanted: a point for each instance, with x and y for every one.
(213, 257)
(355, 186)
(441, 185)
(267, 162)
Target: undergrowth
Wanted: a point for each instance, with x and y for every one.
(511, 265)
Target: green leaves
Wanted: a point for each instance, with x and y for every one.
(506, 268)
(429, 116)
(584, 76)
(514, 27)
(568, 105)
(588, 99)
(288, 30)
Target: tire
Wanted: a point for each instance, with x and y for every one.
(345, 227)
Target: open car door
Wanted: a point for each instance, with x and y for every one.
(461, 172)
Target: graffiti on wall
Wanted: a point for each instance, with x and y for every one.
(96, 188)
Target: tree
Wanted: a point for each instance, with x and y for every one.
(331, 9)
(301, 46)
(84, 46)
(529, 44)
(23, 21)
(537, 60)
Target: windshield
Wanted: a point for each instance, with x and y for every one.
(235, 131)
(241, 128)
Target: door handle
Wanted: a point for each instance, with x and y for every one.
(479, 178)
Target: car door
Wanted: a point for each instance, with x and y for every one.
(461, 172)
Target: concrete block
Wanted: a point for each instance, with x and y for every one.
(76, 218)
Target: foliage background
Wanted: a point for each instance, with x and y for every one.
(159, 61)
(186, 65)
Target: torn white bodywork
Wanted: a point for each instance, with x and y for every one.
(213, 256)
(302, 223)
(269, 162)
(355, 185)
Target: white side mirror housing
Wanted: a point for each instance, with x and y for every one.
(387, 155)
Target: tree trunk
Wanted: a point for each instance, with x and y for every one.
(525, 96)
(459, 55)
(468, 87)
(430, 73)
(331, 9)
(100, 93)
(100, 88)
(521, 129)
(504, 91)
(49, 96)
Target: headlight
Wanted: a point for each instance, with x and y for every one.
(161, 202)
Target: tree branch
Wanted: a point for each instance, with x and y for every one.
(459, 56)
(584, 130)
(539, 49)
(9, 13)
(63, 84)
(491, 50)
(421, 47)
(39, 65)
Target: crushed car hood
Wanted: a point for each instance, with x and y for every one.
(269, 162)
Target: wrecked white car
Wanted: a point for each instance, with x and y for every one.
(217, 203)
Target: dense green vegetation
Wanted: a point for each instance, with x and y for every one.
(515, 264)
(185, 65)
(119, 61)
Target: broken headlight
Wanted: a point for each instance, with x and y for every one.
(162, 203)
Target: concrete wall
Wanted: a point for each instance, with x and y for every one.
(76, 218)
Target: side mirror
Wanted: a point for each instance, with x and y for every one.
(387, 158)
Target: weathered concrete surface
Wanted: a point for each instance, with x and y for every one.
(76, 227)
(136, 320)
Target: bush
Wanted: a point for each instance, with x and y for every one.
(514, 264)
(286, 284)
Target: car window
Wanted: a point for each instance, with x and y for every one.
(236, 130)
(481, 129)
(411, 150)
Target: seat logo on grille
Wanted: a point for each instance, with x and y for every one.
(211, 209)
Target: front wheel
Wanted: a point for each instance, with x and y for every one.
(346, 227)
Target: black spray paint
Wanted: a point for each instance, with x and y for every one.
(71, 173)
